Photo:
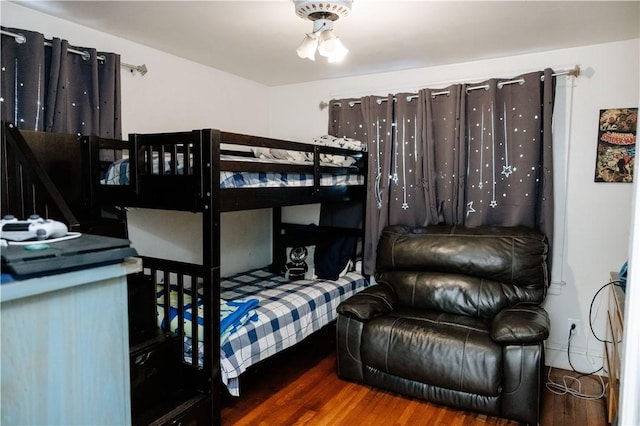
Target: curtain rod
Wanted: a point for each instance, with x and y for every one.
(20, 38)
(574, 72)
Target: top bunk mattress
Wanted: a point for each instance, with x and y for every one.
(246, 166)
(118, 174)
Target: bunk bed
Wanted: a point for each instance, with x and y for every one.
(211, 172)
(77, 179)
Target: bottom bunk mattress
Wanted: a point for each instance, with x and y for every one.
(279, 313)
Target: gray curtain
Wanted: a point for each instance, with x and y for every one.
(444, 160)
(509, 179)
(370, 120)
(406, 180)
(456, 156)
(48, 88)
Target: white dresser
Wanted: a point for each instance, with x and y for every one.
(65, 348)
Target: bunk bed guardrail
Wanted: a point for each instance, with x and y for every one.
(165, 170)
(26, 187)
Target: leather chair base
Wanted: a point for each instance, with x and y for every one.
(521, 390)
(443, 350)
(489, 405)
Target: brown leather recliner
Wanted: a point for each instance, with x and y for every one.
(455, 319)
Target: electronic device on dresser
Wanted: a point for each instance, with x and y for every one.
(33, 228)
(36, 258)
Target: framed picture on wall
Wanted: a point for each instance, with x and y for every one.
(616, 152)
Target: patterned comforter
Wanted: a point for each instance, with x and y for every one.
(287, 312)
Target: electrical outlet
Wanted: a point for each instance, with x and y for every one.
(577, 331)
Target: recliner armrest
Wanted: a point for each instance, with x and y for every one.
(520, 324)
(369, 303)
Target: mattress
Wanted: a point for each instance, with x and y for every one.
(118, 174)
(287, 312)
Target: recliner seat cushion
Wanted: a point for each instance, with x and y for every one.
(448, 351)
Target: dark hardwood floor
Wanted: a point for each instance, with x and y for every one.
(305, 390)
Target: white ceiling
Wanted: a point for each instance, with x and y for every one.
(257, 39)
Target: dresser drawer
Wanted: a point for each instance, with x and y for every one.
(154, 367)
(195, 411)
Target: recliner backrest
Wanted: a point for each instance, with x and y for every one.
(471, 271)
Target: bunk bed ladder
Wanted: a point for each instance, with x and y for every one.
(26, 187)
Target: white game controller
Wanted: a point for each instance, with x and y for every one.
(34, 228)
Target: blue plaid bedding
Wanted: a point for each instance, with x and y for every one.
(288, 312)
(233, 313)
(118, 174)
(275, 180)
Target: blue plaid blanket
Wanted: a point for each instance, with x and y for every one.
(233, 314)
(288, 312)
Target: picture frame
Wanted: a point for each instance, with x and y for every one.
(616, 146)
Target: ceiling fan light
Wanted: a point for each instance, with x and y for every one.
(323, 13)
(321, 26)
(307, 48)
(333, 49)
(326, 43)
(311, 9)
(338, 55)
(326, 35)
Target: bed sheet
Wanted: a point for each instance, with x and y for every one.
(288, 312)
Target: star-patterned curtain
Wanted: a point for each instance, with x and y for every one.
(47, 87)
(369, 119)
(509, 176)
(468, 155)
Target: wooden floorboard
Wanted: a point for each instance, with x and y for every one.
(296, 391)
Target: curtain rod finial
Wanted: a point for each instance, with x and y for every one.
(323, 105)
(142, 69)
(575, 72)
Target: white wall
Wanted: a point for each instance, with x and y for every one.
(593, 238)
(175, 95)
